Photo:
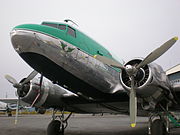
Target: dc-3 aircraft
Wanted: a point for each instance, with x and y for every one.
(98, 82)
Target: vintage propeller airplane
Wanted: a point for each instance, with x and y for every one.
(99, 83)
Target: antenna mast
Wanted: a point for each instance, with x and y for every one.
(68, 20)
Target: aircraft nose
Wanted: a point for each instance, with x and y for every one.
(13, 36)
(25, 41)
(21, 40)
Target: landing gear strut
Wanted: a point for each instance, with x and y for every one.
(57, 127)
(159, 123)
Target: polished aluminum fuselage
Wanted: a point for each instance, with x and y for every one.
(75, 61)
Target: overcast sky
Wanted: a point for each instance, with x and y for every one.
(129, 28)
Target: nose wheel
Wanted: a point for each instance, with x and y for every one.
(58, 124)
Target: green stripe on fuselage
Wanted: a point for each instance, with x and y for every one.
(81, 40)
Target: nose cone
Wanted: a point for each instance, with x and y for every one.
(21, 40)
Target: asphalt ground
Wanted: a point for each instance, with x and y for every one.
(78, 125)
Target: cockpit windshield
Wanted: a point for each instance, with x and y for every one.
(58, 26)
(50, 24)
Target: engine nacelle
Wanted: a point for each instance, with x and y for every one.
(150, 80)
(50, 94)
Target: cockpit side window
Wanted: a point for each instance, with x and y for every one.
(50, 24)
(71, 32)
(62, 27)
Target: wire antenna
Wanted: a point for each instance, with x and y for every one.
(68, 20)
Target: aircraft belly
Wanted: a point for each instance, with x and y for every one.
(70, 58)
(114, 107)
(110, 107)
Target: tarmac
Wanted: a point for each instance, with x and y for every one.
(79, 124)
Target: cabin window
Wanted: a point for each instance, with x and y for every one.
(62, 27)
(71, 32)
(50, 24)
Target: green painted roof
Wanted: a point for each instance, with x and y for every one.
(81, 40)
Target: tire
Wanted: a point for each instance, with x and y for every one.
(62, 130)
(157, 127)
(54, 128)
(9, 114)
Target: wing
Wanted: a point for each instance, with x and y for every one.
(3, 110)
(13, 101)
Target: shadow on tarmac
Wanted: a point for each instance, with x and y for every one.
(78, 125)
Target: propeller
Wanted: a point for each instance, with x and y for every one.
(30, 77)
(12, 80)
(158, 52)
(132, 72)
(109, 61)
(133, 104)
(17, 111)
(19, 87)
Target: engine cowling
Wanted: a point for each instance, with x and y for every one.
(150, 80)
(50, 94)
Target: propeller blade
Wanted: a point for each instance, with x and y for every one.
(17, 111)
(30, 77)
(11, 79)
(108, 61)
(158, 52)
(133, 104)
